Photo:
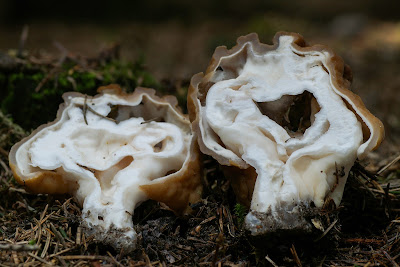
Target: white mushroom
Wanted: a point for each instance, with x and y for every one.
(112, 152)
(284, 115)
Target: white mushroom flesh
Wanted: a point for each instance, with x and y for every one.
(109, 159)
(292, 169)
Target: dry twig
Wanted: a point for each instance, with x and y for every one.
(295, 256)
(19, 247)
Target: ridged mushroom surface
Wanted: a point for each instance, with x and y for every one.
(112, 152)
(284, 115)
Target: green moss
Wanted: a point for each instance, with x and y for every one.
(10, 133)
(32, 94)
(63, 233)
(240, 212)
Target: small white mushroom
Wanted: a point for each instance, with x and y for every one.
(112, 152)
(283, 115)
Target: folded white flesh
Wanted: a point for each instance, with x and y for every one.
(109, 158)
(291, 170)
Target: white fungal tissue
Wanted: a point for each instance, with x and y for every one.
(278, 110)
(105, 148)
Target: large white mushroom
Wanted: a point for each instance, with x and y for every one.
(112, 152)
(284, 120)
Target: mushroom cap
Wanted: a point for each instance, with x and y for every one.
(112, 152)
(340, 74)
(285, 115)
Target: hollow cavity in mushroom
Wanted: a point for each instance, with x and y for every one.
(282, 112)
(294, 113)
(123, 112)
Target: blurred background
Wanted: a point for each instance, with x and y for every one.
(175, 39)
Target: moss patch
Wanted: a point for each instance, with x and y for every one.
(31, 93)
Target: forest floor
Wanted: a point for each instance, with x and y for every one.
(364, 230)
